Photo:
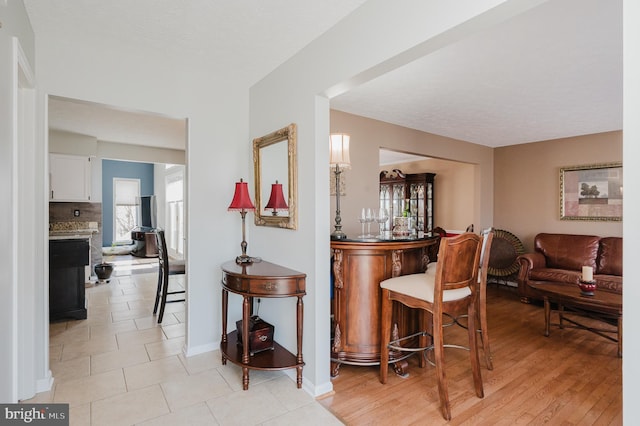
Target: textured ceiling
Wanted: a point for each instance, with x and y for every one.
(240, 38)
(554, 71)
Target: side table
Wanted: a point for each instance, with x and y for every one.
(264, 280)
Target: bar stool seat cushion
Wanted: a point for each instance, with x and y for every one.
(421, 286)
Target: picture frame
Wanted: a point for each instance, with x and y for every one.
(275, 161)
(592, 192)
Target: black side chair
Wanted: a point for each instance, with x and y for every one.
(176, 267)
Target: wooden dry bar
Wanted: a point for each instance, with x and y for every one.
(358, 268)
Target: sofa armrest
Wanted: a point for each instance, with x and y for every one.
(528, 262)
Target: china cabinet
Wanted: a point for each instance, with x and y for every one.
(413, 193)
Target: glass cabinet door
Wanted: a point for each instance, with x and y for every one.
(385, 202)
(392, 198)
(417, 202)
(397, 202)
(429, 209)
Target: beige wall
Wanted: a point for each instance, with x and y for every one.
(368, 136)
(527, 184)
(523, 188)
(453, 190)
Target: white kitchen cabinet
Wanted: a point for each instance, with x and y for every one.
(70, 177)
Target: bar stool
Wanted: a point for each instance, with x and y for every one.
(481, 301)
(451, 288)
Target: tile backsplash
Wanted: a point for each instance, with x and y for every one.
(62, 216)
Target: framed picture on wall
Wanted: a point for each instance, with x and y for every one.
(592, 192)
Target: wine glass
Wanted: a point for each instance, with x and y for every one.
(370, 217)
(383, 216)
(362, 219)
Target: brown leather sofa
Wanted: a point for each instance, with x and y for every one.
(559, 258)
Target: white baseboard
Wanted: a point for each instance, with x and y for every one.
(308, 387)
(197, 350)
(45, 384)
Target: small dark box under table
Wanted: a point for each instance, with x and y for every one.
(260, 334)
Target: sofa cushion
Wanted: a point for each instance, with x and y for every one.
(610, 257)
(555, 274)
(566, 251)
(611, 283)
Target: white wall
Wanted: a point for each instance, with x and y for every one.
(18, 312)
(218, 150)
(76, 144)
(631, 210)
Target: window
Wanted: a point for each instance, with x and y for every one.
(175, 214)
(126, 209)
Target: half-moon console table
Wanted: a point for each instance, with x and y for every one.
(358, 268)
(264, 280)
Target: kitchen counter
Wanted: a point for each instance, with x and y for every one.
(71, 235)
(72, 230)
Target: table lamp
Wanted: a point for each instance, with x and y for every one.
(339, 160)
(276, 200)
(242, 203)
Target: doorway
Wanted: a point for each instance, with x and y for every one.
(454, 199)
(98, 131)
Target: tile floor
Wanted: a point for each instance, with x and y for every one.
(119, 367)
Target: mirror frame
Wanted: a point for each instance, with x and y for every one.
(288, 134)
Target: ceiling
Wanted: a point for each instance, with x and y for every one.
(250, 38)
(388, 156)
(552, 72)
(110, 124)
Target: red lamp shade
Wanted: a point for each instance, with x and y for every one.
(276, 200)
(241, 200)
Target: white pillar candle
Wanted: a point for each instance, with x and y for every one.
(587, 273)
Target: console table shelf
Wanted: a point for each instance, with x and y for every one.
(277, 359)
(264, 280)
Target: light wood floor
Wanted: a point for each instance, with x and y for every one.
(572, 377)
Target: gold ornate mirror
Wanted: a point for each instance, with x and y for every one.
(276, 176)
